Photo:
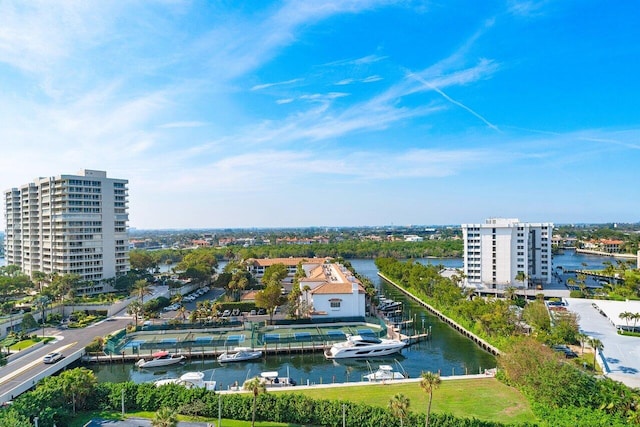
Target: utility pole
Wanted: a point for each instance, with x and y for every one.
(122, 398)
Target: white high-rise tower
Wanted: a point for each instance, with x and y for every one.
(496, 251)
(69, 224)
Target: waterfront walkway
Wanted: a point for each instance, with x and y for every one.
(621, 354)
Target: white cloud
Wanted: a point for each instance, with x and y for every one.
(284, 101)
(268, 85)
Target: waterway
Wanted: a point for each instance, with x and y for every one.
(447, 352)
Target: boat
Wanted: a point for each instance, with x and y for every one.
(160, 358)
(384, 373)
(189, 380)
(272, 379)
(240, 354)
(390, 306)
(364, 346)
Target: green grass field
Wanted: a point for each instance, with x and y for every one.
(486, 399)
(21, 345)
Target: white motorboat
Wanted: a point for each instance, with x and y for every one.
(384, 373)
(271, 379)
(363, 346)
(240, 354)
(189, 380)
(160, 358)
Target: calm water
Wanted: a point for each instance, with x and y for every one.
(448, 352)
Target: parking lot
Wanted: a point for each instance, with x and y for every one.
(621, 353)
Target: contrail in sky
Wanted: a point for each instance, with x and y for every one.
(453, 101)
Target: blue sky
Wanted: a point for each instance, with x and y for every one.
(302, 113)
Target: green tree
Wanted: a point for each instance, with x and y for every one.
(255, 386)
(165, 417)
(135, 309)
(38, 277)
(142, 260)
(28, 322)
(64, 287)
(275, 273)
(428, 383)
(140, 289)
(11, 418)
(269, 298)
(596, 345)
(399, 405)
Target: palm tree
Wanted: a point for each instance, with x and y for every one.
(255, 386)
(597, 345)
(429, 382)
(165, 417)
(135, 309)
(626, 316)
(509, 293)
(140, 289)
(583, 339)
(183, 312)
(399, 405)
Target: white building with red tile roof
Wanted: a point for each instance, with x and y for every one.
(331, 291)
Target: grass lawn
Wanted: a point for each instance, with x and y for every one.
(21, 345)
(486, 398)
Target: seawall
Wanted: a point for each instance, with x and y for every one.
(479, 341)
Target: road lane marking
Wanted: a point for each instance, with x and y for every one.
(29, 366)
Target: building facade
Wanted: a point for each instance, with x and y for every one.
(498, 250)
(69, 224)
(329, 290)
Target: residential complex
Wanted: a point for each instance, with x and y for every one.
(330, 290)
(496, 251)
(69, 224)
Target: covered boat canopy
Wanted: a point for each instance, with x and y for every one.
(160, 354)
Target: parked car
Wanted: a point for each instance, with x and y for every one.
(568, 353)
(226, 313)
(52, 357)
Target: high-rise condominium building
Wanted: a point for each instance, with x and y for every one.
(496, 251)
(69, 224)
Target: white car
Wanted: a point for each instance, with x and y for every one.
(52, 357)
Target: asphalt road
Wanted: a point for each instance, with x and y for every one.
(67, 341)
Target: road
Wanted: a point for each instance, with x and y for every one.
(67, 341)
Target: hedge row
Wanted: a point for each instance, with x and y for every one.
(278, 407)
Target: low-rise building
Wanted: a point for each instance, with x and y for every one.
(331, 291)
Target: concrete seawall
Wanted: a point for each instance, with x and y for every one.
(479, 341)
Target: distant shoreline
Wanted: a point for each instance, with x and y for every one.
(606, 254)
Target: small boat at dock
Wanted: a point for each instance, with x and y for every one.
(160, 358)
(240, 354)
(189, 380)
(385, 373)
(271, 379)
